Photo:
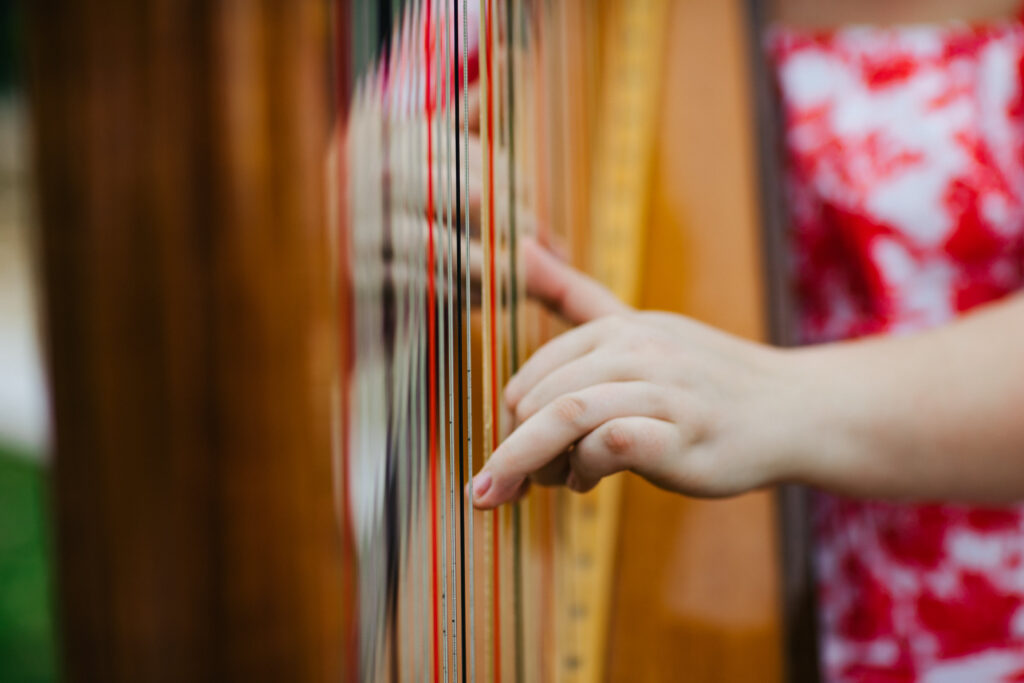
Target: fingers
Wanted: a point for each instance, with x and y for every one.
(525, 219)
(557, 352)
(412, 191)
(554, 472)
(609, 448)
(563, 289)
(555, 428)
(558, 286)
(596, 367)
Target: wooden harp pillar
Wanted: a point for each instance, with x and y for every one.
(179, 155)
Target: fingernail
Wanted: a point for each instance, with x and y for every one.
(481, 485)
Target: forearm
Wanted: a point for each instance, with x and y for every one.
(935, 416)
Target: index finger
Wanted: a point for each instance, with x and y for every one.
(565, 290)
(554, 428)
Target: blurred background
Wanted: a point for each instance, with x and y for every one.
(26, 623)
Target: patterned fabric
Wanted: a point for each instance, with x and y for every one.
(905, 184)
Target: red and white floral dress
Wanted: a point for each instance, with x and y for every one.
(905, 183)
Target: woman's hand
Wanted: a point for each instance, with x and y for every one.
(687, 407)
(694, 410)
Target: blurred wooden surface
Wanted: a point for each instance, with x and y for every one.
(832, 13)
(698, 588)
(179, 150)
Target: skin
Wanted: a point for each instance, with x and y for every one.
(935, 416)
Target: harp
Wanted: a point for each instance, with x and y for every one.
(587, 135)
(218, 347)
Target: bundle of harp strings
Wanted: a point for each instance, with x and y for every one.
(464, 134)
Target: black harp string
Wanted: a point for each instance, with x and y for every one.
(389, 322)
(448, 481)
(407, 435)
(453, 374)
(379, 332)
(463, 324)
(410, 402)
(412, 436)
(401, 341)
(397, 267)
(380, 404)
(468, 539)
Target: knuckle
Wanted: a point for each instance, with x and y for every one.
(697, 421)
(511, 391)
(569, 408)
(661, 402)
(614, 322)
(640, 340)
(654, 446)
(650, 343)
(659, 345)
(660, 319)
(523, 410)
(618, 439)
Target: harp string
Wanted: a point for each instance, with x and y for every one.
(432, 389)
(398, 148)
(422, 551)
(422, 449)
(460, 223)
(388, 324)
(454, 372)
(490, 323)
(467, 475)
(417, 562)
(434, 155)
(513, 327)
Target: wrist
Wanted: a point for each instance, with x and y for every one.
(833, 398)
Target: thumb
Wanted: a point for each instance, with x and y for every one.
(565, 290)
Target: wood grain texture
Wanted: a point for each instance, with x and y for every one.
(179, 151)
(697, 592)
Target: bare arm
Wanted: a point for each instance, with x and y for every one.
(938, 415)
